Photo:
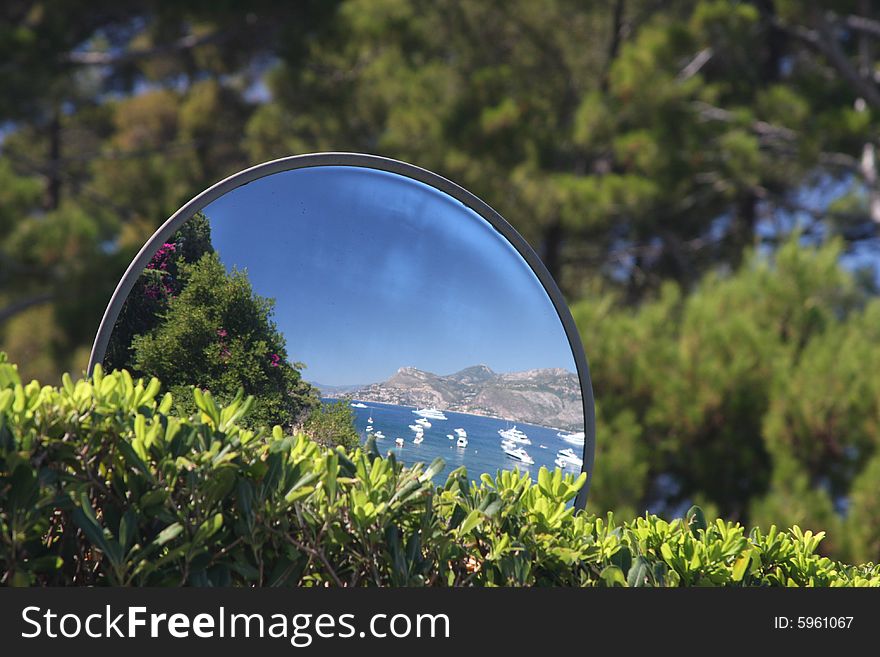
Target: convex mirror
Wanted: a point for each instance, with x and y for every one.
(370, 284)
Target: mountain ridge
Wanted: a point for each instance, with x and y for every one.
(547, 397)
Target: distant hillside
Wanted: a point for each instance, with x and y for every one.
(547, 397)
(335, 391)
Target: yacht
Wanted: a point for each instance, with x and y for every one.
(369, 428)
(450, 436)
(564, 464)
(398, 442)
(462, 441)
(358, 405)
(574, 437)
(431, 413)
(519, 454)
(515, 435)
(379, 435)
(416, 427)
(418, 439)
(424, 423)
(568, 456)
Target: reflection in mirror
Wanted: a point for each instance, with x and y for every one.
(357, 303)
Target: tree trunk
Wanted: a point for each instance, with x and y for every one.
(551, 248)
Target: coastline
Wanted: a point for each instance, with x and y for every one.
(451, 410)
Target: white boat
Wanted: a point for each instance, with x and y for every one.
(574, 437)
(564, 464)
(568, 457)
(418, 439)
(379, 434)
(462, 441)
(515, 435)
(416, 427)
(358, 405)
(519, 454)
(369, 428)
(431, 413)
(398, 442)
(370, 419)
(450, 436)
(424, 423)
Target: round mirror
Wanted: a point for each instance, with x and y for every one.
(363, 298)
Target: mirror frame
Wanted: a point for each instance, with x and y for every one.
(234, 181)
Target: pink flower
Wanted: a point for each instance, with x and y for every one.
(274, 360)
(222, 332)
(160, 258)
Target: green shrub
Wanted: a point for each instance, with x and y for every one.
(331, 424)
(100, 485)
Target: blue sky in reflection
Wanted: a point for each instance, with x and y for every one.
(372, 271)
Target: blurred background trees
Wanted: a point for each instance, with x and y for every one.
(700, 177)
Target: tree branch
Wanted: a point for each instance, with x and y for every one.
(21, 305)
(859, 24)
(189, 42)
(762, 128)
(698, 62)
(822, 41)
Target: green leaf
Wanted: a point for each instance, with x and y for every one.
(473, 519)
(612, 576)
(84, 517)
(639, 573)
(169, 533)
(208, 528)
(741, 566)
(696, 520)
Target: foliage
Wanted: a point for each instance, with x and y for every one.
(99, 485)
(756, 394)
(332, 423)
(218, 335)
(160, 282)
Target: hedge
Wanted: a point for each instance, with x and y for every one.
(101, 484)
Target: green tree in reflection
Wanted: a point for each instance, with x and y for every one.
(157, 285)
(218, 335)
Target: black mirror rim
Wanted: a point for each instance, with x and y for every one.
(246, 176)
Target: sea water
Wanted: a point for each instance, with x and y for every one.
(483, 453)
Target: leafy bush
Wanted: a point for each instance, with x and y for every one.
(331, 424)
(100, 485)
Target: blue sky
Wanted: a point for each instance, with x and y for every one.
(372, 271)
